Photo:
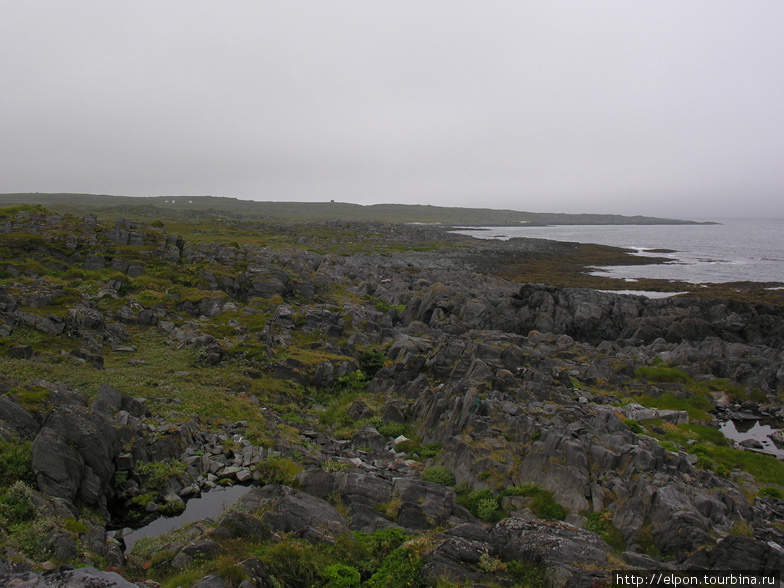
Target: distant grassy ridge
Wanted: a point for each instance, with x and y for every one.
(168, 206)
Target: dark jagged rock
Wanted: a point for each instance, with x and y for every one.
(238, 525)
(561, 548)
(298, 513)
(17, 418)
(58, 468)
(739, 553)
(87, 577)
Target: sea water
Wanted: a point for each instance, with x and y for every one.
(731, 251)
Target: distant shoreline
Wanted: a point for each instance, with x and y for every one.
(219, 207)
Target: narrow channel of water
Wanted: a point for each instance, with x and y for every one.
(208, 505)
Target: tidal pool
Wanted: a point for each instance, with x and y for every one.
(208, 505)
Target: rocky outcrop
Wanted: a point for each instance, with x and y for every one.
(561, 548)
(87, 577)
(506, 385)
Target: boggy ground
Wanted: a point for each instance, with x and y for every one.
(407, 416)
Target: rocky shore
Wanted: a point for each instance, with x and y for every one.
(392, 386)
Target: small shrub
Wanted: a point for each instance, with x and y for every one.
(157, 473)
(389, 508)
(229, 571)
(475, 498)
(336, 501)
(633, 425)
(34, 539)
(295, 564)
(16, 504)
(355, 381)
(542, 504)
(15, 462)
(601, 524)
(278, 470)
(463, 488)
(184, 579)
(771, 492)
(341, 576)
(371, 361)
(393, 429)
(331, 465)
(491, 564)
(429, 451)
(74, 526)
(486, 508)
(385, 541)
(401, 569)
(527, 574)
(742, 529)
(546, 508)
(439, 475)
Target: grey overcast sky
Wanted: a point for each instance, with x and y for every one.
(658, 107)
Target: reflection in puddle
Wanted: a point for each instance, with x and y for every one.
(208, 505)
(743, 430)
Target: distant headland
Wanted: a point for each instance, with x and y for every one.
(174, 206)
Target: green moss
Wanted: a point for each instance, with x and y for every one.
(33, 398)
(635, 427)
(662, 374)
(696, 406)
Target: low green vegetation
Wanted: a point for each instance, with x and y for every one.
(635, 427)
(601, 524)
(696, 406)
(771, 492)
(156, 474)
(12, 211)
(382, 558)
(483, 504)
(662, 374)
(714, 452)
(278, 470)
(439, 475)
(542, 504)
(15, 462)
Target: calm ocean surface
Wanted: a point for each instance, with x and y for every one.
(733, 251)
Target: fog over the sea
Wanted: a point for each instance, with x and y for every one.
(666, 107)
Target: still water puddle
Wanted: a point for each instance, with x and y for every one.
(743, 430)
(208, 505)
